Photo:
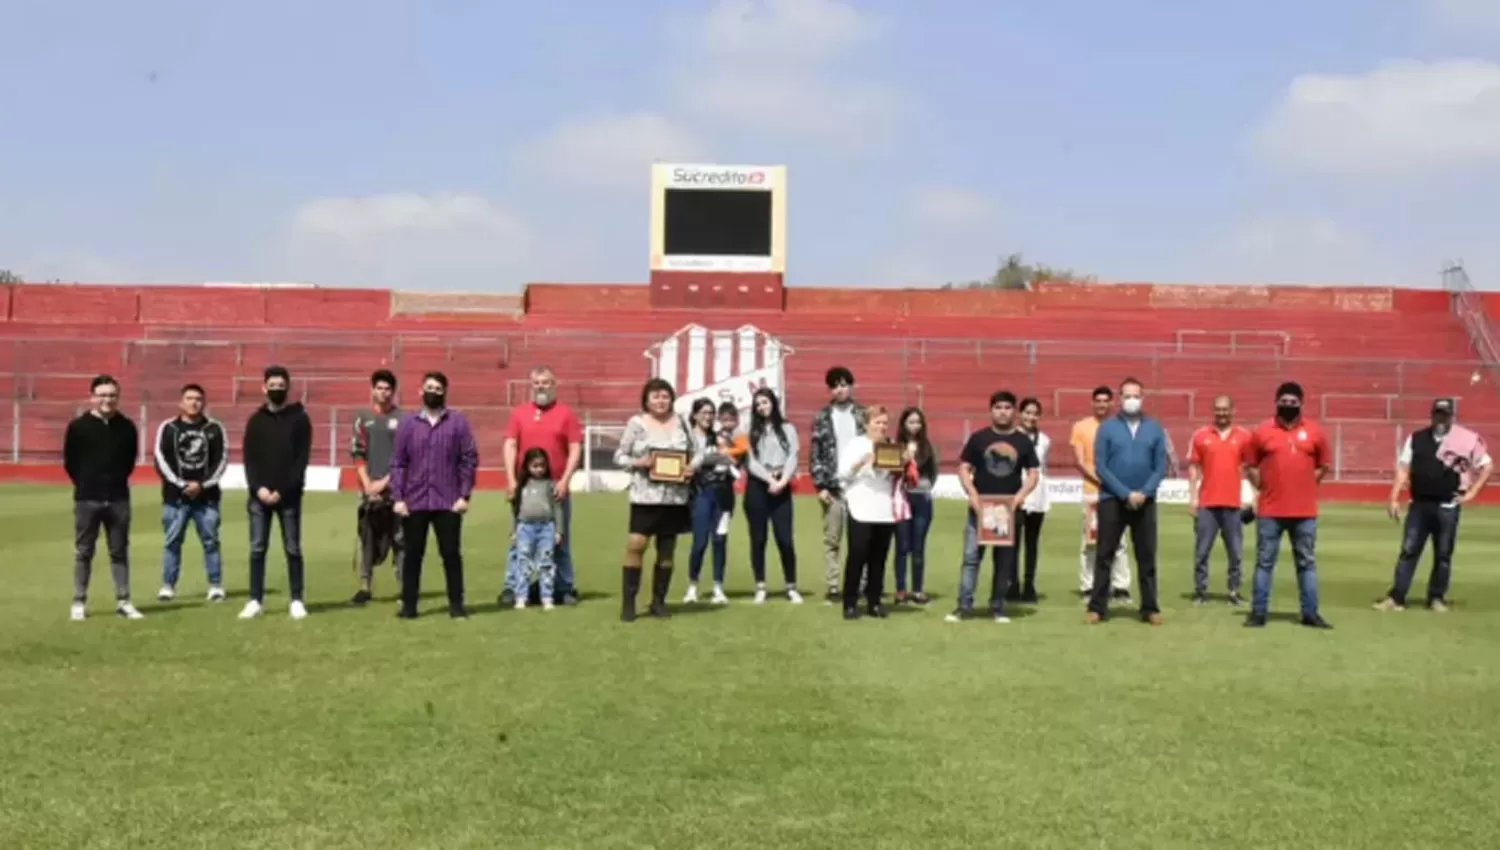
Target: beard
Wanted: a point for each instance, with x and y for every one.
(543, 397)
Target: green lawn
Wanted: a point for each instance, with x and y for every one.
(745, 727)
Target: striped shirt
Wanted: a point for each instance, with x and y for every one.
(433, 464)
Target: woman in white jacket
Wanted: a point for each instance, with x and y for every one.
(876, 500)
(1034, 509)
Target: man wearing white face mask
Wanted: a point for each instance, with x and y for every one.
(1130, 454)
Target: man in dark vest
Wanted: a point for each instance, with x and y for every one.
(1445, 466)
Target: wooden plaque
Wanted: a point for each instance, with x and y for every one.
(668, 466)
(888, 457)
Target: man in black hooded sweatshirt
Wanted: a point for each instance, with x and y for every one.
(278, 442)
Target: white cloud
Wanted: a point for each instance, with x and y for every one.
(1466, 17)
(1301, 250)
(613, 150)
(443, 241)
(1404, 117)
(950, 206)
(774, 65)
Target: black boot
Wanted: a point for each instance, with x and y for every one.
(630, 585)
(661, 580)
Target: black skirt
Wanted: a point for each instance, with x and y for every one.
(653, 520)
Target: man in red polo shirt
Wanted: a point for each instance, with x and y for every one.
(548, 424)
(1287, 457)
(1215, 472)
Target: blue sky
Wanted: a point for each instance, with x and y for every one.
(476, 146)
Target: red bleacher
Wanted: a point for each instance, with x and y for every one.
(1371, 359)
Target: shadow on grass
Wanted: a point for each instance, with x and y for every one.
(156, 606)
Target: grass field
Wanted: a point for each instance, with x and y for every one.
(742, 727)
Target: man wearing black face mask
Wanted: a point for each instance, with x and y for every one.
(278, 443)
(1445, 465)
(1286, 459)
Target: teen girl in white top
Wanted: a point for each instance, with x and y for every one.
(876, 500)
(1034, 509)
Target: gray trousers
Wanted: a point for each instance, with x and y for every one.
(835, 516)
(1210, 524)
(88, 518)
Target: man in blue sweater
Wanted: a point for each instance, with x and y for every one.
(1130, 458)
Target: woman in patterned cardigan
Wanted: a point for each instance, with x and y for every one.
(658, 508)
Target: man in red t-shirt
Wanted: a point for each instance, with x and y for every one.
(547, 424)
(1287, 457)
(1215, 472)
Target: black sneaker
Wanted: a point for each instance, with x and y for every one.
(507, 598)
(959, 615)
(851, 613)
(877, 610)
(458, 613)
(1200, 598)
(1029, 597)
(1013, 593)
(361, 598)
(833, 597)
(404, 614)
(570, 597)
(1255, 621)
(1316, 621)
(1236, 599)
(1122, 597)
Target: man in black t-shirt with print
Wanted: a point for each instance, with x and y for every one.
(996, 461)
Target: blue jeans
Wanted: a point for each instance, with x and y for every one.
(562, 555)
(911, 542)
(1304, 534)
(1002, 558)
(535, 558)
(175, 517)
(707, 512)
(290, 513)
(1207, 527)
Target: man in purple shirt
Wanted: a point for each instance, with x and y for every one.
(432, 476)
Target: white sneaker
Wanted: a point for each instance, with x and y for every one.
(547, 605)
(251, 610)
(126, 610)
(216, 594)
(793, 596)
(78, 613)
(1001, 618)
(719, 598)
(296, 610)
(166, 594)
(691, 596)
(760, 596)
(520, 603)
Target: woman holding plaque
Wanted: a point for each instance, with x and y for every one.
(911, 533)
(1034, 509)
(768, 493)
(871, 471)
(657, 449)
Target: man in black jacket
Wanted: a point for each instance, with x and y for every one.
(99, 452)
(278, 441)
(191, 457)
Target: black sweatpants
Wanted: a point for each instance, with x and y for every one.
(447, 526)
(1114, 518)
(869, 544)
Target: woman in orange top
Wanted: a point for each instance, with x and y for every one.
(719, 451)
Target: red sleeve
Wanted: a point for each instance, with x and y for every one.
(572, 428)
(513, 425)
(1251, 453)
(1193, 455)
(1325, 451)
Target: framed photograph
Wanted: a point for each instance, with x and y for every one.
(888, 457)
(668, 466)
(1091, 523)
(997, 525)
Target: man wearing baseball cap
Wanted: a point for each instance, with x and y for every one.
(1444, 465)
(1286, 458)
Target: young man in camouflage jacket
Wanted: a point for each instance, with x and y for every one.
(840, 421)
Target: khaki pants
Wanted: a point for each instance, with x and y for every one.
(835, 515)
(1119, 571)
